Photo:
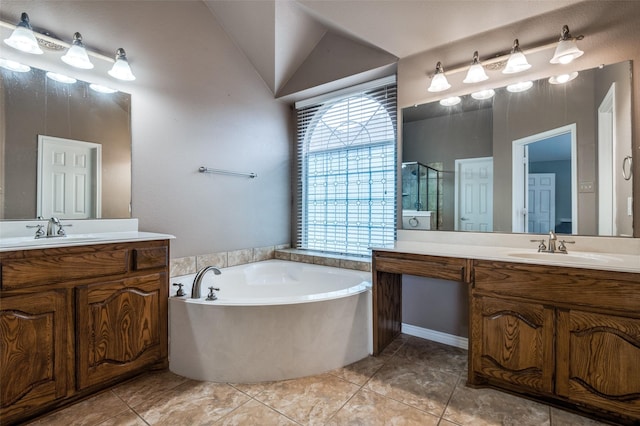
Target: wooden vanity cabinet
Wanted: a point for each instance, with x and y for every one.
(568, 335)
(75, 320)
(33, 352)
(513, 342)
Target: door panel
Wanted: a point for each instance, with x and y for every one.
(474, 194)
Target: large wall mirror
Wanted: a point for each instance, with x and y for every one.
(553, 157)
(65, 149)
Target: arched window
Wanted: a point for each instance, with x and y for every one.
(346, 168)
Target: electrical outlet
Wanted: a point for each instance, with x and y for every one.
(586, 187)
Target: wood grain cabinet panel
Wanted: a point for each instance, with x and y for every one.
(572, 335)
(599, 360)
(33, 364)
(50, 266)
(75, 320)
(120, 327)
(516, 343)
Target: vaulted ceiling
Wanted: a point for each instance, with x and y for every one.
(287, 40)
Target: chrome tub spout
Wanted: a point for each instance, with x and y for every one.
(197, 281)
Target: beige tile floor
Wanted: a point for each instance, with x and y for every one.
(414, 382)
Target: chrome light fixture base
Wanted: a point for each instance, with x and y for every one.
(567, 49)
(476, 73)
(22, 38)
(517, 61)
(439, 82)
(77, 55)
(121, 69)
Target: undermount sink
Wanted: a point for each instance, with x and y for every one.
(579, 257)
(31, 241)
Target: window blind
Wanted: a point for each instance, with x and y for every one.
(346, 172)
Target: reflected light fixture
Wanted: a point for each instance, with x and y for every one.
(483, 94)
(61, 78)
(520, 87)
(77, 55)
(121, 69)
(476, 72)
(14, 66)
(567, 49)
(102, 89)
(22, 37)
(563, 78)
(439, 82)
(451, 101)
(517, 61)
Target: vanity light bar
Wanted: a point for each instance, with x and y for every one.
(77, 54)
(504, 59)
(56, 42)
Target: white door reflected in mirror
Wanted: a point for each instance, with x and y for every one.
(550, 152)
(69, 178)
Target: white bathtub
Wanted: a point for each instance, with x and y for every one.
(273, 320)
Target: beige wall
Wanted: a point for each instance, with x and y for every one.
(197, 101)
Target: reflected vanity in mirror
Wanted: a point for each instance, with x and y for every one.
(66, 149)
(550, 158)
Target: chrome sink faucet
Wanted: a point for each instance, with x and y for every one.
(55, 228)
(552, 242)
(197, 281)
(555, 246)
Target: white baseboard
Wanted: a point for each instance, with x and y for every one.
(436, 336)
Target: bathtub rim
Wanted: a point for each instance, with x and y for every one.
(363, 286)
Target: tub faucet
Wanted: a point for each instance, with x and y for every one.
(197, 281)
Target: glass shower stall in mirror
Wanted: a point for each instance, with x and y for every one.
(66, 149)
(550, 158)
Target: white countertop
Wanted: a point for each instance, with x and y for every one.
(30, 243)
(574, 259)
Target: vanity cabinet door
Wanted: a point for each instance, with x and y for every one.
(599, 361)
(33, 358)
(121, 327)
(512, 342)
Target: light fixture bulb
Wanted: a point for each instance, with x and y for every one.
(563, 78)
(14, 66)
(102, 89)
(61, 78)
(451, 101)
(22, 37)
(439, 82)
(483, 94)
(476, 72)
(567, 49)
(520, 87)
(517, 61)
(77, 55)
(121, 69)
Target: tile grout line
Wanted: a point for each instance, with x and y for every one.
(449, 400)
(130, 407)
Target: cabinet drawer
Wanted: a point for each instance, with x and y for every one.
(558, 285)
(55, 268)
(151, 257)
(446, 268)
